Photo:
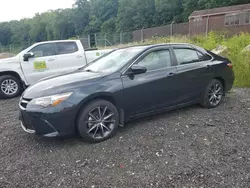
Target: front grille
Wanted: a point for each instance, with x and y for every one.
(24, 102)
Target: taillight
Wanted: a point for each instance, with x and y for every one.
(230, 65)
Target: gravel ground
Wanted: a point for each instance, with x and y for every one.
(190, 147)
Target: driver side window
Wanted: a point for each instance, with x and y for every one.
(156, 60)
(43, 50)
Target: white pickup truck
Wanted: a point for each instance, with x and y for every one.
(42, 60)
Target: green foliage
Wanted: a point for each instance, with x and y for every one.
(5, 34)
(211, 41)
(240, 59)
(135, 14)
(108, 26)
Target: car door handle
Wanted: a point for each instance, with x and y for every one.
(51, 59)
(78, 56)
(209, 66)
(171, 74)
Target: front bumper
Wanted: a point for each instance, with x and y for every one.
(26, 129)
(49, 122)
(38, 126)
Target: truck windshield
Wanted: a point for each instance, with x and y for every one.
(113, 61)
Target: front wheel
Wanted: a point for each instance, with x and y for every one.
(10, 87)
(213, 94)
(98, 121)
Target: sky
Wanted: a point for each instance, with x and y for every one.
(18, 9)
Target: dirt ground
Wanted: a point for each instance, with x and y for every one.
(5, 55)
(190, 147)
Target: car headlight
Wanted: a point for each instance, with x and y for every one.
(52, 100)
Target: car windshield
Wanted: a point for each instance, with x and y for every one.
(113, 61)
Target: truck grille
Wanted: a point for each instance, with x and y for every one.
(24, 102)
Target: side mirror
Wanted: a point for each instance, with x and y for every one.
(28, 55)
(137, 69)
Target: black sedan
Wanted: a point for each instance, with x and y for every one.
(124, 84)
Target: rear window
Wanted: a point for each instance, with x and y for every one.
(186, 56)
(65, 48)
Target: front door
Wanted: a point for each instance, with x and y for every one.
(153, 89)
(42, 65)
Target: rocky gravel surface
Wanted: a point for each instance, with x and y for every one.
(189, 147)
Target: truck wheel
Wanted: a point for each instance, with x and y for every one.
(10, 87)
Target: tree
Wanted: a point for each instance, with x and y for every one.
(63, 24)
(81, 15)
(135, 14)
(108, 26)
(105, 11)
(38, 29)
(5, 34)
(165, 11)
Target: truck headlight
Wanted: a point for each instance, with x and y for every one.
(52, 100)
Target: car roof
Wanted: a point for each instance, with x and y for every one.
(148, 46)
(53, 41)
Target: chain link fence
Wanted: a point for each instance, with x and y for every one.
(106, 39)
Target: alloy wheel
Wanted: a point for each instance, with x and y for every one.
(100, 122)
(215, 94)
(9, 87)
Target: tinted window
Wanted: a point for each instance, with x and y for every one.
(204, 57)
(43, 50)
(65, 48)
(186, 56)
(156, 60)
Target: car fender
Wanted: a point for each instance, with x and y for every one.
(12, 67)
(100, 95)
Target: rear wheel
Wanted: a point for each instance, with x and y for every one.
(98, 121)
(10, 87)
(213, 94)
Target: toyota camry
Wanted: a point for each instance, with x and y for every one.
(127, 83)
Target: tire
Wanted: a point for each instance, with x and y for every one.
(213, 94)
(14, 84)
(94, 129)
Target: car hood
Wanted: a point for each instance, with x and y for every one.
(62, 83)
(9, 60)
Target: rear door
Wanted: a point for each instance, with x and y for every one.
(194, 71)
(68, 56)
(43, 64)
(154, 89)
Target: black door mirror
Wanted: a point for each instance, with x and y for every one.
(137, 69)
(28, 55)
